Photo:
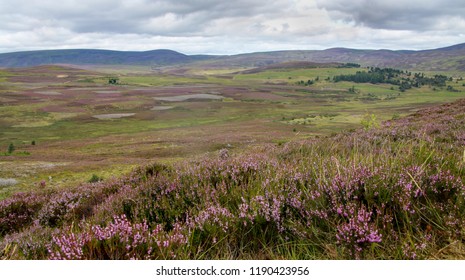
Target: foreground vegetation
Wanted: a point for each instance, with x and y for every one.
(390, 192)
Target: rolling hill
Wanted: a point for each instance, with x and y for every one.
(95, 57)
(448, 58)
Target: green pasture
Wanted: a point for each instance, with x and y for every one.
(293, 76)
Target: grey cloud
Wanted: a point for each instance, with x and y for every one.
(139, 16)
(225, 27)
(395, 14)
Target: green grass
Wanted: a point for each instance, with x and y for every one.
(296, 75)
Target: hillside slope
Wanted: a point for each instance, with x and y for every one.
(390, 192)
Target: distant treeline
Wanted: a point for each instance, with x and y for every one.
(349, 65)
(404, 79)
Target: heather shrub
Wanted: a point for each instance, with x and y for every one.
(29, 244)
(54, 212)
(94, 194)
(441, 201)
(120, 239)
(19, 211)
(162, 202)
(358, 230)
(153, 170)
(81, 202)
(117, 204)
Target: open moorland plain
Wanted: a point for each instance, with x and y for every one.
(200, 160)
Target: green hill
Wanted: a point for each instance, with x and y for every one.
(95, 57)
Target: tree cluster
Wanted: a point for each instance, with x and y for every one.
(374, 76)
(349, 65)
(305, 83)
(403, 79)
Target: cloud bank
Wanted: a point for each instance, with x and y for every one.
(228, 27)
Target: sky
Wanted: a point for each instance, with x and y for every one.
(230, 27)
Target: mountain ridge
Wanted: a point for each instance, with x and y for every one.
(445, 58)
(94, 57)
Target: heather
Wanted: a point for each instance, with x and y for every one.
(393, 191)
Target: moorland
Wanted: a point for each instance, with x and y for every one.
(234, 157)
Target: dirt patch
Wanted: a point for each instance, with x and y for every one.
(113, 116)
(180, 98)
(107, 91)
(87, 88)
(48, 92)
(161, 108)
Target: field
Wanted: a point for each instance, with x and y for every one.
(81, 125)
(70, 126)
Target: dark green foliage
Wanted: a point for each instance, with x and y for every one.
(113, 81)
(11, 148)
(306, 83)
(374, 76)
(349, 65)
(95, 178)
(392, 76)
(452, 89)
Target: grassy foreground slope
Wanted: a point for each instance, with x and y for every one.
(389, 192)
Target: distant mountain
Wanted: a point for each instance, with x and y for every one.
(448, 58)
(95, 57)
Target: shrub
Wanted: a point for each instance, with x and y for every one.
(95, 178)
(18, 211)
(28, 244)
(60, 205)
(369, 121)
(120, 239)
(11, 148)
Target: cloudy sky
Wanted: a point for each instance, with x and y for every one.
(231, 26)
